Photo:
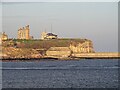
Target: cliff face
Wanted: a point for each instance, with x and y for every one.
(11, 52)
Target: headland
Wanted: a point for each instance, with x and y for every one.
(60, 49)
(49, 46)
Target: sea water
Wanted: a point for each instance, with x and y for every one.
(84, 73)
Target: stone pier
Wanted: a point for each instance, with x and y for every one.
(97, 55)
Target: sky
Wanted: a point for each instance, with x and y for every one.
(97, 21)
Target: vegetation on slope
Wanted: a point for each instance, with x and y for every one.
(38, 44)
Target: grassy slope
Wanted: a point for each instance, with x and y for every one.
(46, 43)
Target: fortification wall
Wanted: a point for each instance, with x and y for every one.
(84, 47)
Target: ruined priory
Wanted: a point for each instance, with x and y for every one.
(86, 46)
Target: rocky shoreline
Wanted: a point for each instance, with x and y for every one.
(21, 53)
(29, 54)
(47, 59)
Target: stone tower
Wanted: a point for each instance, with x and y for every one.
(23, 33)
(27, 31)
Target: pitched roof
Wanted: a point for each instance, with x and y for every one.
(51, 34)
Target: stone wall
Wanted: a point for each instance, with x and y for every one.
(75, 47)
(84, 47)
(97, 55)
(58, 52)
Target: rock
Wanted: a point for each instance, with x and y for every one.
(11, 52)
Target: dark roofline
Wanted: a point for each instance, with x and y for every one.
(51, 34)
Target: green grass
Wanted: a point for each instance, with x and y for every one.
(37, 43)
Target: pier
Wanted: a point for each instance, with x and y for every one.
(97, 55)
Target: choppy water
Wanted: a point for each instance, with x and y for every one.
(61, 74)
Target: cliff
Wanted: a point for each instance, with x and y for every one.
(11, 52)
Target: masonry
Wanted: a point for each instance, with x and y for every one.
(23, 33)
(58, 52)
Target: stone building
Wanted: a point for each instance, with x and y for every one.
(45, 35)
(58, 52)
(3, 36)
(83, 47)
(24, 33)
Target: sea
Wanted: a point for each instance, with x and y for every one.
(48, 73)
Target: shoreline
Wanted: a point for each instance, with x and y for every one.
(49, 59)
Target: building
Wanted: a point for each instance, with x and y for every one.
(45, 35)
(3, 36)
(58, 52)
(24, 33)
(83, 47)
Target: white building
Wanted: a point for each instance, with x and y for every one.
(45, 35)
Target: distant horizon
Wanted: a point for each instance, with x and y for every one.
(96, 21)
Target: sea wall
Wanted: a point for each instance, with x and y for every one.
(97, 55)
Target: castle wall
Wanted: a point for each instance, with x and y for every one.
(85, 47)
